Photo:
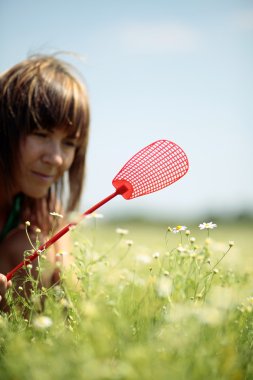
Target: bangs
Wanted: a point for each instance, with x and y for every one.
(57, 102)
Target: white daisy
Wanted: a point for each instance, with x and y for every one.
(42, 322)
(121, 231)
(142, 258)
(177, 229)
(94, 215)
(207, 226)
(56, 214)
(164, 287)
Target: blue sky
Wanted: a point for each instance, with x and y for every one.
(176, 70)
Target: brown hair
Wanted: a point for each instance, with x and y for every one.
(43, 92)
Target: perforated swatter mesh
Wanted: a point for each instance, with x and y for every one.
(154, 167)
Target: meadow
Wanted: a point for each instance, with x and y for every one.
(142, 300)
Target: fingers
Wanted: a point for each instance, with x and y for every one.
(4, 285)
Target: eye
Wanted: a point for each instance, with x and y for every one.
(70, 142)
(40, 133)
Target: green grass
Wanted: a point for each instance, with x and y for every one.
(149, 304)
(152, 235)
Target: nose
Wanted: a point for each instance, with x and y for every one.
(53, 154)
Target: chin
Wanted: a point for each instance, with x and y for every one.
(36, 194)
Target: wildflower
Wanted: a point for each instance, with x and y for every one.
(231, 243)
(55, 214)
(145, 259)
(156, 255)
(40, 252)
(207, 226)
(29, 266)
(27, 223)
(129, 243)
(65, 303)
(194, 254)
(94, 215)
(177, 229)
(20, 288)
(42, 322)
(215, 271)
(169, 229)
(180, 249)
(38, 230)
(164, 287)
(187, 232)
(97, 215)
(121, 231)
(192, 240)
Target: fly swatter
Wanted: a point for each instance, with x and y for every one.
(156, 166)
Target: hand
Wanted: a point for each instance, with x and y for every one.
(4, 285)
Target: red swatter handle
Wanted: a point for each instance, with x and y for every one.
(62, 232)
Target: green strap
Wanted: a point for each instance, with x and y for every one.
(13, 218)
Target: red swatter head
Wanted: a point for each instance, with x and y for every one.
(156, 166)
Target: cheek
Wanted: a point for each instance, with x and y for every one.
(29, 150)
(26, 153)
(69, 160)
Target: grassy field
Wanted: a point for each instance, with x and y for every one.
(145, 303)
(153, 235)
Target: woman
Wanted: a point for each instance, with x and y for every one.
(44, 123)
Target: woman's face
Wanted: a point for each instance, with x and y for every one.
(45, 156)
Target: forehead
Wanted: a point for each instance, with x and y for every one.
(61, 131)
(64, 132)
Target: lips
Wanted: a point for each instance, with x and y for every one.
(43, 176)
